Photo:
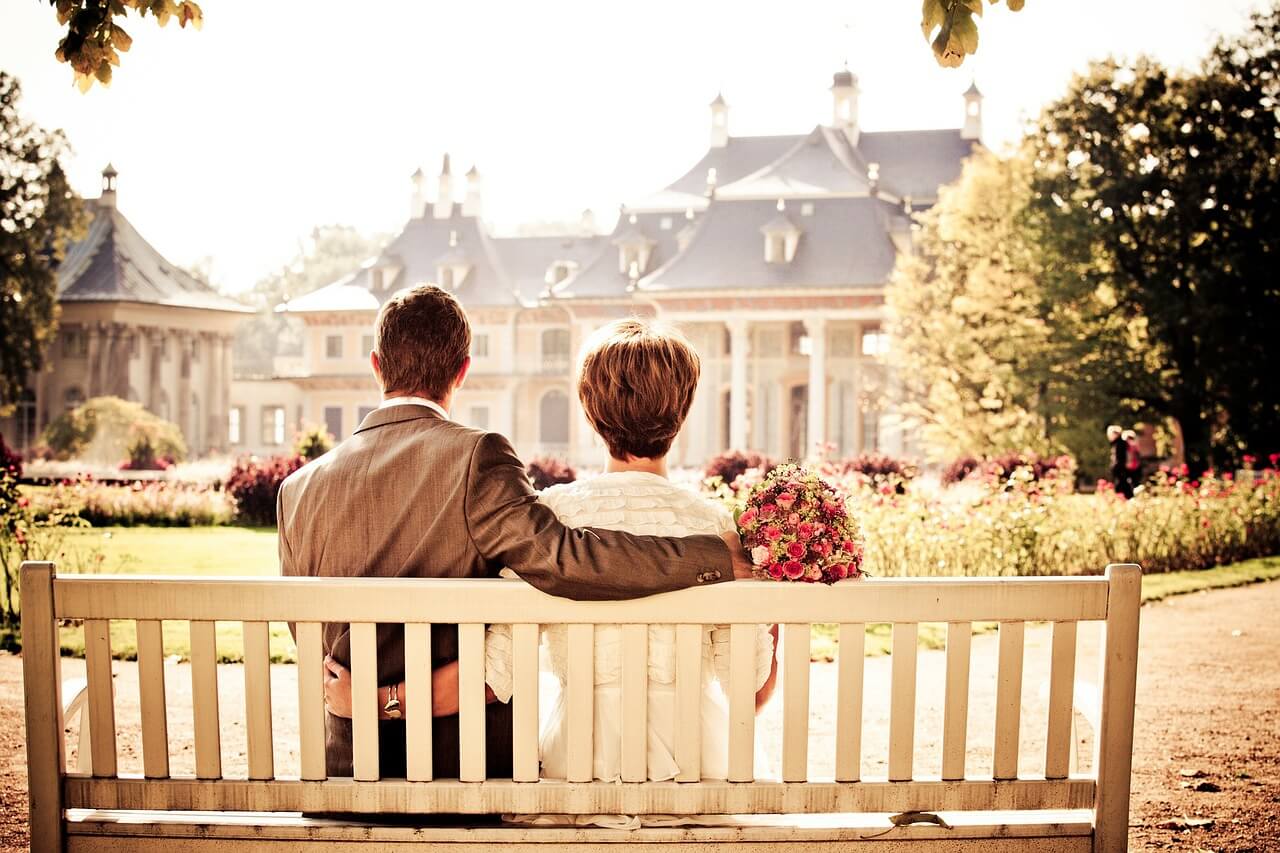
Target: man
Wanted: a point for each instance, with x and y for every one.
(412, 494)
(1119, 461)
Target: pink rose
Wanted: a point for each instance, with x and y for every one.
(813, 573)
(759, 555)
(847, 546)
(773, 534)
(823, 547)
(794, 519)
(747, 517)
(768, 511)
(792, 569)
(796, 550)
(786, 499)
(805, 530)
(775, 571)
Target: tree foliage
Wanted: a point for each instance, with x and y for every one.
(104, 429)
(950, 28)
(39, 216)
(1156, 191)
(95, 39)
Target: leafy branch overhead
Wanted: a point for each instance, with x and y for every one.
(950, 27)
(94, 39)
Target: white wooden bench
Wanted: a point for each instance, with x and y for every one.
(97, 808)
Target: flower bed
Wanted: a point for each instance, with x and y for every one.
(154, 502)
(1017, 525)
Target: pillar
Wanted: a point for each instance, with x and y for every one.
(817, 417)
(738, 342)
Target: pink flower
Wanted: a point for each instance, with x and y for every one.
(786, 499)
(747, 517)
(805, 530)
(796, 550)
(847, 546)
(823, 547)
(775, 571)
(773, 534)
(768, 511)
(793, 519)
(840, 571)
(759, 555)
(793, 569)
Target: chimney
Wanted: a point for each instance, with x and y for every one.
(972, 113)
(417, 195)
(588, 222)
(444, 192)
(108, 197)
(844, 103)
(471, 204)
(719, 122)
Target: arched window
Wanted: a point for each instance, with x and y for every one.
(553, 418)
(73, 397)
(555, 349)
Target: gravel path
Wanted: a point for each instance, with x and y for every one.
(1208, 705)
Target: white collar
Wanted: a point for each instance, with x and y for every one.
(415, 401)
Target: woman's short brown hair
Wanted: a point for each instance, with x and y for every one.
(636, 383)
(422, 338)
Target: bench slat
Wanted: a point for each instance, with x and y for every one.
(795, 704)
(500, 601)
(635, 703)
(688, 718)
(1062, 675)
(471, 704)
(1008, 700)
(852, 652)
(902, 701)
(742, 702)
(311, 713)
(155, 722)
(102, 715)
(364, 701)
(524, 641)
(955, 715)
(580, 702)
(417, 688)
(204, 699)
(500, 795)
(257, 699)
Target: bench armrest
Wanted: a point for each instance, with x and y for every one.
(75, 697)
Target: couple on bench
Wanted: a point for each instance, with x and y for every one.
(413, 494)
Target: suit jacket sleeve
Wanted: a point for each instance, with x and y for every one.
(288, 565)
(507, 524)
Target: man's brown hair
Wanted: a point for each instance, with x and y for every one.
(422, 338)
(636, 384)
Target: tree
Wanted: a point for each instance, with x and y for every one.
(39, 217)
(333, 251)
(94, 39)
(1156, 192)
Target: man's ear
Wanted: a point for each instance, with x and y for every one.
(462, 374)
(377, 367)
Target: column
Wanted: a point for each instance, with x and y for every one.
(738, 341)
(817, 417)
(155, 366)
(94, 334)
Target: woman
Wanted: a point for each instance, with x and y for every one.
(636, 383)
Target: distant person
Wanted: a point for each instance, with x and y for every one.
(1133, 459)
(1119, 461)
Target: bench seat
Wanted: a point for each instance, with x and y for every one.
(146, 831)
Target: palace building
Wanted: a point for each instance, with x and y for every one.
(772, 254)
(135, 326)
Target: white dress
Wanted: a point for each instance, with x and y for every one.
(645, 504)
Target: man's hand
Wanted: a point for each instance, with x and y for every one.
(337, 688)
(742, 568)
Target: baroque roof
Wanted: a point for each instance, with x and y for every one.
(113, 263)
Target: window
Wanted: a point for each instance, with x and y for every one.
(333, 346)
(333, 421)
(195, 349)
(73, 397)
(479, 346)
(479, 417)
(874, 342)
(553, 419)
(235, 425)
(555, 349)
(871, 430)
(364, 412)
(75, 343)
(366, 344)
(131, 345)
(444, 276)
(272, 425)
(377, 277)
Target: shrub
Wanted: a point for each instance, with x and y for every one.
(732, 464)
(545, 471)
(104, 428)
(312, 442)
(959, 469)
(157, 502)
(877, 466)
(145, 441)
(25, 534)
(254, 483)
(10, 459)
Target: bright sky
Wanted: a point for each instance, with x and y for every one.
(232, 142)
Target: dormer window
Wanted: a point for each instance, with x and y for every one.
(634, 251)
(559, 271)
(382, 275)
(781, 238)
(453, 266)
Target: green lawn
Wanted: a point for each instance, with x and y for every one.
(252, 551)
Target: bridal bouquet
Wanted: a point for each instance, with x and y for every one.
(797, 528)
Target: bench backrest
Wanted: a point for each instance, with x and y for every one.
(470, 604)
